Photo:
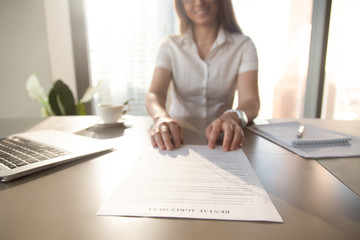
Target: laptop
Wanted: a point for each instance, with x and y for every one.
(28, 152)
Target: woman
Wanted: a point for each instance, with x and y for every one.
(207, 63)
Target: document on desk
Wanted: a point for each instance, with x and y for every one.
(192, 182)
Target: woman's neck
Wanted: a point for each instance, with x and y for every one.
(205, 35)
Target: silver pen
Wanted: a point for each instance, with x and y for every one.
(300, 131)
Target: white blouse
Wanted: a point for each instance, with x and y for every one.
(205, 88)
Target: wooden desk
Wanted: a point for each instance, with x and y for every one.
(61, 203)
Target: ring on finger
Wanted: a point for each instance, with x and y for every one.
(163, 128)
(156, 130)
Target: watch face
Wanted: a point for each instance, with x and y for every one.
(239, 114)
(243, 118)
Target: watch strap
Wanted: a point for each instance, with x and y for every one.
(241, 115)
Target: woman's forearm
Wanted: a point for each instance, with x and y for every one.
(155, 106)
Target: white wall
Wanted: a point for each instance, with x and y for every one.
(25, 27)
(59, 41)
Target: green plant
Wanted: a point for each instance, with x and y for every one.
(60, 100)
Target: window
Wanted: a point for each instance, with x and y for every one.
(341, 98)
(281, 31)
(123, 41)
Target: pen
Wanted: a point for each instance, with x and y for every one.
(300, 131)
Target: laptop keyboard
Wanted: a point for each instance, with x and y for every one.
(17, 152)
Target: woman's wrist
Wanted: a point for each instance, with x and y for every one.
(241, 116)
(158, 117)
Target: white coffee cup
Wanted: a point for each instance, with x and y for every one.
(109, 113)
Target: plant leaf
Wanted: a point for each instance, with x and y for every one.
(45, 111)
(80, 108)
(35, 90)
(60, 105)
(37, 93)
(89, 93)
(61, 99)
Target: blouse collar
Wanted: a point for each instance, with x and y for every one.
(221, 38)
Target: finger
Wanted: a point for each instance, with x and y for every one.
(175, 133)
(158, 139)
(208, 131)
(236, 140)
(228, 136)
(181, 135)
(166, 137)
(241, 137)
(153, 141)
(214, 133)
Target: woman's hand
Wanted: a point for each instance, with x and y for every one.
(233, 133)
(166, 134)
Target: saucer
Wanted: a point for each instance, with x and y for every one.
(100, 123)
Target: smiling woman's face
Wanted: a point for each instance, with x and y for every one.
(202, 12)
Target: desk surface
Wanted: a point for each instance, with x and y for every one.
(61, 202)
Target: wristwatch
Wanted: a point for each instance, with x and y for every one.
(241, 115)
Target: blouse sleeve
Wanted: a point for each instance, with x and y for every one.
(249, 59)
(163, 58)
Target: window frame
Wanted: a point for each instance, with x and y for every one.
(317, 59)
